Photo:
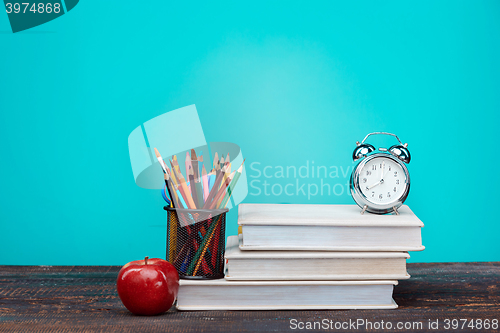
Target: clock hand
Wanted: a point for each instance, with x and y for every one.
(372, 186)
(382, 171)
(385, 174)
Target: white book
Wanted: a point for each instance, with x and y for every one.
(312, 265)
(327, 228)
(284, 295)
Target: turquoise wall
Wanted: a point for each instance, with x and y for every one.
(290, 82)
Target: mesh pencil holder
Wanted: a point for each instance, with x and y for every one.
(196, 242)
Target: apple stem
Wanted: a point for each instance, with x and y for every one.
(146, 260)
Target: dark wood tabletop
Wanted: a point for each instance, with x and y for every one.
(84, 299)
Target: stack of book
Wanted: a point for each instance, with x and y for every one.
(309, 257)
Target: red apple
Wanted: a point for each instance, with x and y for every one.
(148, 287)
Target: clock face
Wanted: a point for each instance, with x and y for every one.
(382, 180)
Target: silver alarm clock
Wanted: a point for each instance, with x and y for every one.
(380, 182)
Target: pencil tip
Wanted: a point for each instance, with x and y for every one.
(157, 153)
(240, 169)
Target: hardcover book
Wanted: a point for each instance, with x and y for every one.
(284, 295)
(327, 228)
(312, 265)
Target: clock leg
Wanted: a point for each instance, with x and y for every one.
(395, 210)
(364, 209)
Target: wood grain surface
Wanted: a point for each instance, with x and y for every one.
(84, 299)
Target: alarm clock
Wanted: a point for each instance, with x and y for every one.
(380, 182)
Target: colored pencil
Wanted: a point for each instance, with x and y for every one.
(218, 168)
(217, 165)
(192, 186)
(181, 199)
(231, 187)
(214, 248)
(204, 177)
(195, 262)
(220, 194)
(197, 179)
(182, 184)
(216, 160)
(187, 162)
(164, 168)
(178, 185)
(183, 257)
(174, 203)
(228, 171)
(200, 171)
(164, 195)
(226, 175)
(204, 265)
(177, 189)
(215, 189)
(200, 159)
(160, 160)
(174, 190)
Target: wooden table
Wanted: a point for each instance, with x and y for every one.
(84, 299)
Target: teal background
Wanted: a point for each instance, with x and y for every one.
(289, 82)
